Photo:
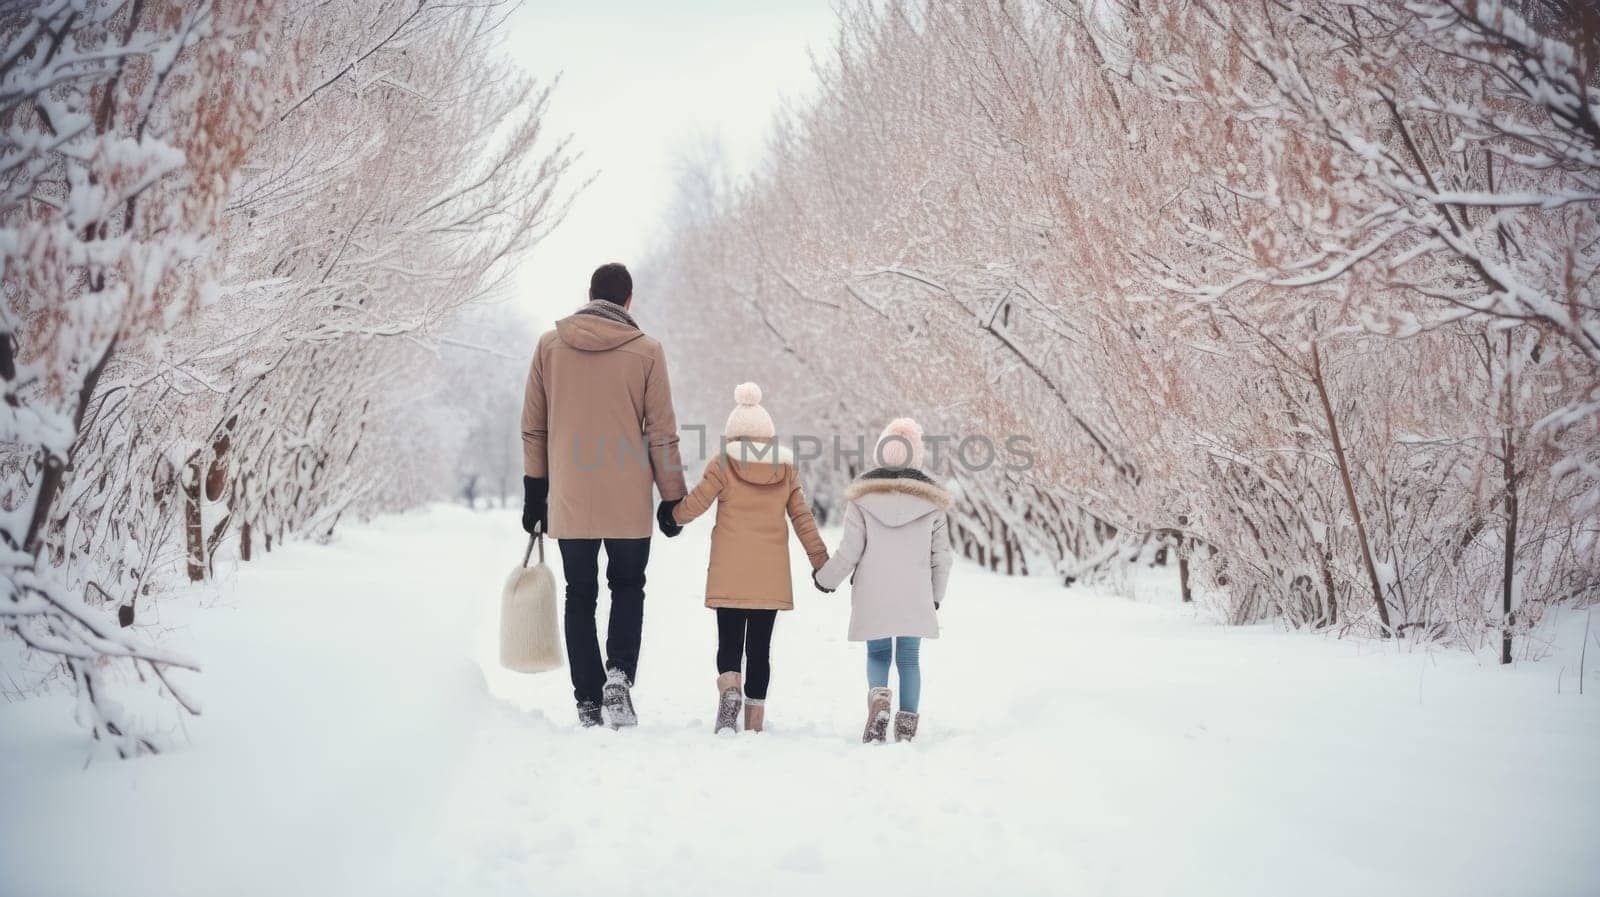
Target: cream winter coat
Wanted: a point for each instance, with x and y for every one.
(897, 541)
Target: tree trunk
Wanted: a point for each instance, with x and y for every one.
(244, 541)
(55, 467)
(1350, 491)
(215, 539)
(1508, 460)
(1183, 571)
(1332, 616)
(1508, 576)
(193, 527)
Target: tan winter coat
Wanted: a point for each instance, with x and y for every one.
(897, 546)
(597, 395)
(754, 485)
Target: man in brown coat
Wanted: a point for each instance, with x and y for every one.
(597, 430)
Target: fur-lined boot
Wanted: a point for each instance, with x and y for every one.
(728, 701)
(905, 726)
(877, 730)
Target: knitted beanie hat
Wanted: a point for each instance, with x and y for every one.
(901, 444)
(749, 419)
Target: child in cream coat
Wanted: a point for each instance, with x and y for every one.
(897, 545)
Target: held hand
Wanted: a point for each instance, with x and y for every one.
(664, 521)
(820, 587)
(535, 492)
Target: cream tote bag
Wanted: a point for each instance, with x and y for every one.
(530, 624)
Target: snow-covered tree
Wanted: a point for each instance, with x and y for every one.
(232, 238)
(125, 123)
(1296, 293)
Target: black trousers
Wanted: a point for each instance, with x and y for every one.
(747, 633)
(625, 563)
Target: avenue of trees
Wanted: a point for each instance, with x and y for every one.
(1297, 296)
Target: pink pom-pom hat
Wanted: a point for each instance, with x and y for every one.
(900, 445)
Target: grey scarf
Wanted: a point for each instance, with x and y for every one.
(611, 311)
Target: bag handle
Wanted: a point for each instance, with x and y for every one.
(532, 541)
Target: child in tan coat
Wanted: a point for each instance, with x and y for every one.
(755, 486)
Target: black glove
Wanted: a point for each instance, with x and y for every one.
(820, 587)
(535, 492)
(669, 527)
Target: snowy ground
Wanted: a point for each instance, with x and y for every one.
(358, 739)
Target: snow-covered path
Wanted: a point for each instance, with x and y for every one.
(359, 739)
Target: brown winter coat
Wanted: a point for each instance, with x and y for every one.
(597, 395)
(754, 485)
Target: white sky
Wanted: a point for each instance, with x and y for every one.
(639, 81)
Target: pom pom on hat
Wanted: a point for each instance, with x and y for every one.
(749, 420)
(900, 445)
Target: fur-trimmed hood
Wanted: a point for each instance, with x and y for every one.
(897, 495)
(895, 552)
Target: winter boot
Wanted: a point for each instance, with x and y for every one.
(905, 726)
(755, 713)
(589, 714)
(616, 700)
(727, 703)
(877, 731)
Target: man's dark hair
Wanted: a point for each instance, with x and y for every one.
(611, 282)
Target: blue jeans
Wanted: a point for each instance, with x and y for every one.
(905, 650)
